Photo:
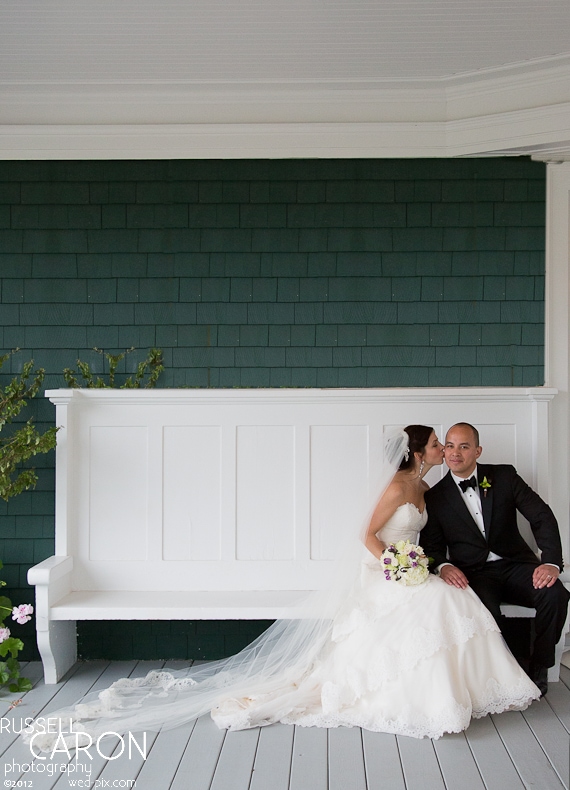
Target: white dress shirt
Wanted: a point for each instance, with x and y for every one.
(472, 499)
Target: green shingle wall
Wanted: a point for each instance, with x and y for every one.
(303, 273)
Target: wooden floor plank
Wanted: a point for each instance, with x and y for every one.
(235, 766)
(457, 764)
(533, 766)
(198, 764)
(309, 766)
(346, 759)
(564, 676)
(492, 758)
(382, 761)
(164, 758)
(419, 764)
(551, 735)
(272, 767)
(558, 698)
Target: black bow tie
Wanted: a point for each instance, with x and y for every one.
(465, 484)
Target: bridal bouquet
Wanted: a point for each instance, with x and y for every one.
(405, 562)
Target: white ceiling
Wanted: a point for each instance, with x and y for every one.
(90, 64)
(282, 40)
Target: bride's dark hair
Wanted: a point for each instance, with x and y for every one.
(418, 436)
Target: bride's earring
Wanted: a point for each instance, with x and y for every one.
(423, 463)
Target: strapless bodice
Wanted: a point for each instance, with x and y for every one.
(405, 524)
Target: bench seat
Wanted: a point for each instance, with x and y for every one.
(160, 605)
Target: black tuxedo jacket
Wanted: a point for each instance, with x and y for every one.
(451, 528)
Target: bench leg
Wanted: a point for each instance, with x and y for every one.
(554, 672)
(58, 648)
(512, 610)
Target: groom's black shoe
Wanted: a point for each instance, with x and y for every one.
(539, 675)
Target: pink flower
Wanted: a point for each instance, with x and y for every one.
(22, 613)
(4, 634)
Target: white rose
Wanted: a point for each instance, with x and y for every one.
(415, 575)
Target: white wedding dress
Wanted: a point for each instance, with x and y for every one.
(413, 660)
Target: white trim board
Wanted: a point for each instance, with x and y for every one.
(542, 132)
(557, 339)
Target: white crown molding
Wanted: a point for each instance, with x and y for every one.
(222, 141)
(217, 103)
(505, 111)
(543, 128)
(503, 93)
(137, 102)
(534, 132)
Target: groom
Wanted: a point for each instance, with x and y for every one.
(473, 537)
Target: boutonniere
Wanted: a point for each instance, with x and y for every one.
(485, 485)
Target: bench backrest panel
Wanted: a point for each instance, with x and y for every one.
(248, 489)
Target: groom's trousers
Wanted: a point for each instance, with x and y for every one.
(503, 581)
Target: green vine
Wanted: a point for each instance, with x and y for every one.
(152, 367)
(26, 441)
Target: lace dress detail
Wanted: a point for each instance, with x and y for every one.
(419, 661)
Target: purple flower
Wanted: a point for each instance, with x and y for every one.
(387, 561)
(413, 554)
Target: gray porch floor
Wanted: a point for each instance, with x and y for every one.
(511, 751)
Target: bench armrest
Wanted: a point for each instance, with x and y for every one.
(49, 570)
(52, 580)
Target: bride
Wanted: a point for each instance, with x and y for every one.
(417, 660)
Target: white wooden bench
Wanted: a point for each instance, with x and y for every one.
(222, 504)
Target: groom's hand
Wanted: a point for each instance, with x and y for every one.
(544, 576)
(452, 575)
